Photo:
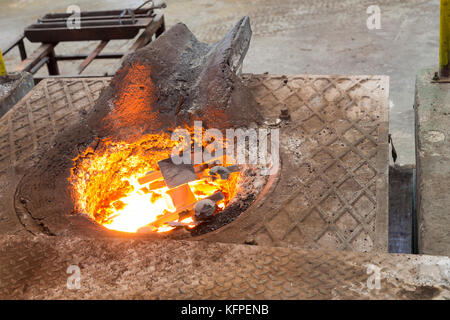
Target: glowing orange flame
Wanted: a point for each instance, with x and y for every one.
(105, 185)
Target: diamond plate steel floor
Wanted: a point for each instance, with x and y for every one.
(49, 108)
(332, 189)
(30, 127)
(336, 146)
(37, 268)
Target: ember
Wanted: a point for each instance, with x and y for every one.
(113, 188)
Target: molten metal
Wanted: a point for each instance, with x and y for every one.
(110, 185)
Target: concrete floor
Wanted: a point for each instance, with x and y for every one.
(290, 37)
(433, 170)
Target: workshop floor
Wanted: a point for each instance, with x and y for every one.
(290, 37)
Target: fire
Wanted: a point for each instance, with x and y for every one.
(105, 185)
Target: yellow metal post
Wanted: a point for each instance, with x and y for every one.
(2, 65)
(444, 40)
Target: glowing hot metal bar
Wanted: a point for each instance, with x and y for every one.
(172, 216)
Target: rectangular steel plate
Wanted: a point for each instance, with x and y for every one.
(336, 196)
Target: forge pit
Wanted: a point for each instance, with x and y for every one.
(121, 186)
(71, 157)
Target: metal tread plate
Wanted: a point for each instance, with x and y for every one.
(332, 189)
(38, 268)
(30, 127)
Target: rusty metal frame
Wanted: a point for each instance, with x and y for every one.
(45, 54)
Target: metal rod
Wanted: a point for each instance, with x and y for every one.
(95, 18)
(13, 44)
(92, 56)
(444, 40)
(38, 66)
(23, 52)
(52, 64)
(161, 29)
(35, 57)
(94, 14)
(90, 23)
(84, 56)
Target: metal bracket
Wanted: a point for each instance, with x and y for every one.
(437, 79)
(124, 12)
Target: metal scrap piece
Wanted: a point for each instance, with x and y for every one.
(204, 209)
(223, 172)
(182, 196)
(176, 174)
